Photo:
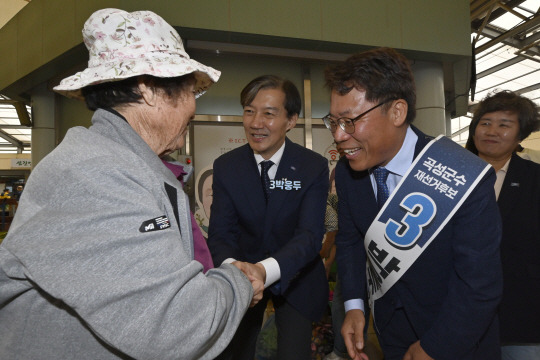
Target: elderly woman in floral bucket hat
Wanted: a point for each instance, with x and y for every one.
(99, 260)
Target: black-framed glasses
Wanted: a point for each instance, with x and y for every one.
(346, 124)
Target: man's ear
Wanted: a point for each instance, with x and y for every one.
(398, 111)
(291, 122)
(148, 93)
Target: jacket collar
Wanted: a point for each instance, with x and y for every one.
(113, 126)
(511, 186)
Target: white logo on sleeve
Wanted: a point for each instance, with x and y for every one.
(159, 223)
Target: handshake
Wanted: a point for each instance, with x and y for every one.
(256, 273)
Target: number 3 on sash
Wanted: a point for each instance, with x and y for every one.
(421, 209)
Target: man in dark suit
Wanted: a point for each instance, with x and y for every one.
(269, 217)
(444, 305)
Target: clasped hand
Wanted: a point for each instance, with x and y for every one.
(257, 275)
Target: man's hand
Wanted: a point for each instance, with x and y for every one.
(328, 251)
(416, 352)
(328, 244)
(257, 275)
(255, 270)
(258, 289)
(353, 334)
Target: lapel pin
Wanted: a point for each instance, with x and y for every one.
(514, 184)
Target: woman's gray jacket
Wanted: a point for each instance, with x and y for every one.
(98, 263)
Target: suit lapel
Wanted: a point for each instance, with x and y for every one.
(511, 186)
(364, 190)
(422, 141)
(287, 169)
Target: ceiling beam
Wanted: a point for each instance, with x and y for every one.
(20, 108)
(501, 66)
(484, 23)
(528, 89)
(531, 39)
(484, 10)
(5, 126)
(25, 147)
(513, 12)
(460, 131)
(518, 44)
(505, 81)
(13, 141)
(476, 23)
(534, 21)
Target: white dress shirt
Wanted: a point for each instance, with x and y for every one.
(501, 174)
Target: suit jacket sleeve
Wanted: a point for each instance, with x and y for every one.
(350, 251)
(519, 203)
(475, 287)
(223, 230)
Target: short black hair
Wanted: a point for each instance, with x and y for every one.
(293, 101)
(111, 94)
(383, 73)
(506, 100)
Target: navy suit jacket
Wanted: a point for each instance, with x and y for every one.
(289, 228)
(519, 203)
(450, 294)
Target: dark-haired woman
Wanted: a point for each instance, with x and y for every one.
(501, 121)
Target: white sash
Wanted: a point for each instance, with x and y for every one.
(438, 182)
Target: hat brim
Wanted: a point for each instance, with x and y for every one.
(158, 66)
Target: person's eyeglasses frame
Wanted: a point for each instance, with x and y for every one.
(342, 120)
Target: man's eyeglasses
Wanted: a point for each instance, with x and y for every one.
(345, 123)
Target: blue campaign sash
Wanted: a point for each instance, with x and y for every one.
(435, 186)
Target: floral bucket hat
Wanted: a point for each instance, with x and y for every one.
(123, 45)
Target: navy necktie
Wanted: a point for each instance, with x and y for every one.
(265, 179)
(381, 174)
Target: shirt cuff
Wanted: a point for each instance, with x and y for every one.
(354, 304)
(228, 261)
(273, 273)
